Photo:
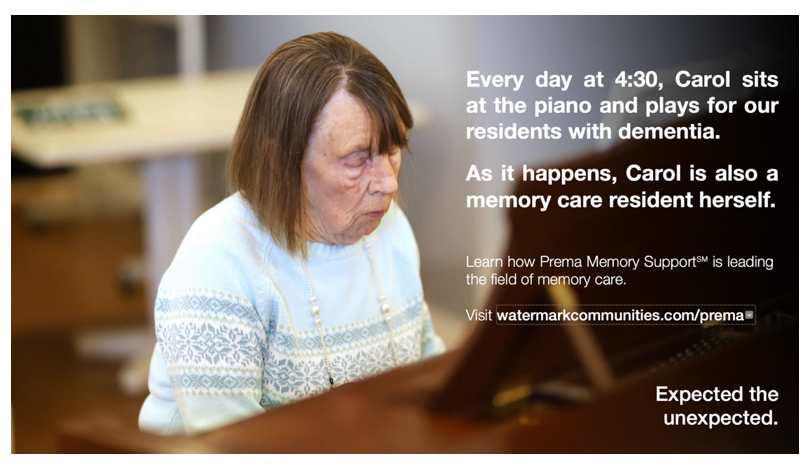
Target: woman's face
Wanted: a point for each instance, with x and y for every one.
(348, 185)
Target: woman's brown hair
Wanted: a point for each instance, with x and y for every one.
(287, 95)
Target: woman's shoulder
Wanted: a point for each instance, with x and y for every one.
(232, 217)
(222, 251)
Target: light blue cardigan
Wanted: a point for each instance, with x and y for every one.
(235, 333)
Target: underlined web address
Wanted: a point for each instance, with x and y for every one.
(626, 314)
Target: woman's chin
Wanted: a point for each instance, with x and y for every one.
(363, 226)
(368, 226)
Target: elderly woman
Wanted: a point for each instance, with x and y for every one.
(307, 277)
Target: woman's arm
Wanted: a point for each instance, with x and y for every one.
(212, 344)
(214, 318)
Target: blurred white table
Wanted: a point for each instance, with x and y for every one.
(165, 122)
(163, 117)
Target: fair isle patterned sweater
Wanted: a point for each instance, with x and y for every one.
(234, 329)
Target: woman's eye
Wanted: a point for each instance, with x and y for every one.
(355, 161)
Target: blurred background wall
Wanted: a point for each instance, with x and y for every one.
(429, 56)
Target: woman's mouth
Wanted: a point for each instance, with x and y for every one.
(375, 214)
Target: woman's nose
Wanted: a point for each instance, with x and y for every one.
(384, 177)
